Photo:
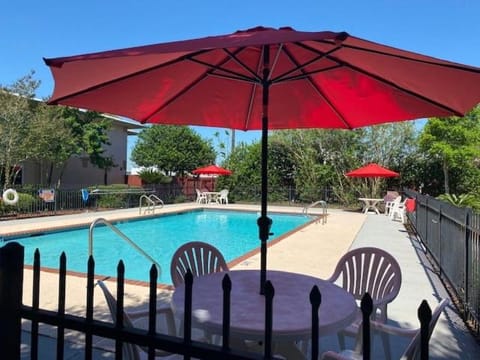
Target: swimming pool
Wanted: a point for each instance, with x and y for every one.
(234, 233)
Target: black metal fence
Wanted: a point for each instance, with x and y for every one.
(451, 235)
(38, 201)
(13, 311)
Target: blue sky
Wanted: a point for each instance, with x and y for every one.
(31, 30)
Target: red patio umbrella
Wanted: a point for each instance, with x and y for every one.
(372, 170)
(212, 170)
(265, 78)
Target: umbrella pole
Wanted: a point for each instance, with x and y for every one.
(264, 222)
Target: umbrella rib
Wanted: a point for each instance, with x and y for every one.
(384, 81)
(127, 76)
(317, 89)
(238, 77)
(243, 65)
(235, 75)
(404, 57)
(252, 94)
(284, 77)
(401, 89)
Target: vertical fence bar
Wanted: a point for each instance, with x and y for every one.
(269, 294)
(89, 310)
(227, 289)
(366, 305)
(468, 238)
(152, 309)
(424, 315)
(187, 314)
(61, 305)
(119, 314)
(315, 300)
(11, 287)
(35, 305)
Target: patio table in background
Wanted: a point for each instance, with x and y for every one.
(211, 196)
(370, 204)
(292, 314)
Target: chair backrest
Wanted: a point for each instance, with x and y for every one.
(130, 351)
(391, 195)
(371, 270)
(413, 349)
(201, 258)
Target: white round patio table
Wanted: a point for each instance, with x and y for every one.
(292, 314)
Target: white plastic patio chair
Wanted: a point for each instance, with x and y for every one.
(399, 210)
(390, 204)
(412, 352)
(371, 270)
(201, 197)
(131, 351)
(222, 197)
(201, 258)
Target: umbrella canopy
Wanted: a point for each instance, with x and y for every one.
(265, 78)
(372, 170)
(212, 170)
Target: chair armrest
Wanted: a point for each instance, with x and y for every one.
(162, 308)
(344, 355)
(393, 330)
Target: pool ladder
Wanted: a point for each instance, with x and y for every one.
(323, 204)
(122, 235)
(152, 201)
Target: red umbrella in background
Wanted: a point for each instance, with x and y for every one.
(372, 170)
(374, 173)
(212, 170)
(265, 78)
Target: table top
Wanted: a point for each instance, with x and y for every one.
(370, 199)
(291, 304)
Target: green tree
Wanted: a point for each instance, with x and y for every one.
(15, 123)
(245, 182)
(49, 135)
(172, 149)
(455, 143)
(60, 132)
(50, 141)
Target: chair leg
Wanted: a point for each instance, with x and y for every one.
(170, 320)
(341, 340)
(386, 345)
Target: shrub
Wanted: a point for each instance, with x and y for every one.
(150, 176)
(463, 200)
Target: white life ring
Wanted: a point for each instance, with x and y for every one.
(7, 197)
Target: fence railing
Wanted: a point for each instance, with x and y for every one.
(13, 311)
(451, 235)
(38, 201)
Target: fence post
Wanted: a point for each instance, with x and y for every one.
(468, 237)
(11, 287)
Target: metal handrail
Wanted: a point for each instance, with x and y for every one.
(323, 203)
(152, 201)
(122, 235)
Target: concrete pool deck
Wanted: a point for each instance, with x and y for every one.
(313, 250)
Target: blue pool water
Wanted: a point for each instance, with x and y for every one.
(233, 233)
